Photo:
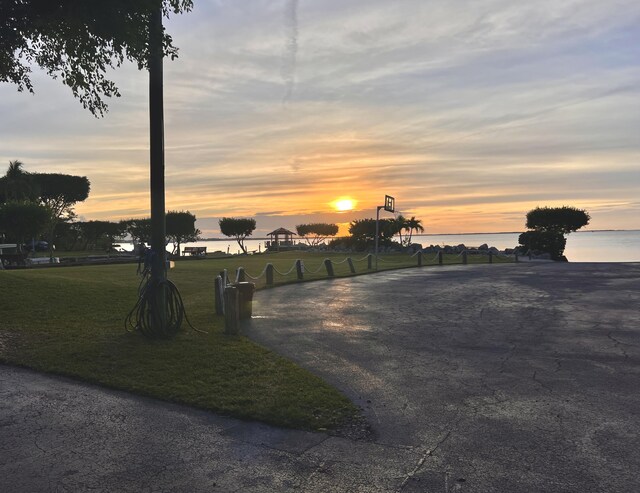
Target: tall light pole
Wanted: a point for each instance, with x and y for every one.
(389, 205)
(156, 168)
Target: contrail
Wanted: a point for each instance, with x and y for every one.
(288, 68)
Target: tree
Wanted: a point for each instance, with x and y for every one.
(181, 228)
(316, 233)
(59, 193)
(548, 226)
(16, 184)
(79, 41)
(365, 230)
(551, 242)
(22, 220)
(400, 224)
(237, 228)
(138, 229)
(561, 219)
(412, 225)
(94, 231)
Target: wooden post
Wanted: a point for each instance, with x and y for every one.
(219, 296)
(225, 277)
(329, 267)
(299, 270)
(352, 267)
(490, 257)
(419, 259)
(240, 276)
(231, 310)
(440, 261)
(464, 257)
(269, 273)
(517, 260)
(369, 262)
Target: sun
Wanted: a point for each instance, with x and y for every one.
(344, 204)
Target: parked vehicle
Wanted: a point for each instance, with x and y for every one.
(38, 246)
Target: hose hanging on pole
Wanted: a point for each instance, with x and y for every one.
(159, 310)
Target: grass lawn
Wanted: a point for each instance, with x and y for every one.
(70, 321)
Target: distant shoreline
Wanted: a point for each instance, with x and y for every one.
(452, 234)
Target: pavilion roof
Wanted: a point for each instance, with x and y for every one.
(281, 231)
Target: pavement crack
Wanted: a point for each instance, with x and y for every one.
(619, 344)
(428, 453)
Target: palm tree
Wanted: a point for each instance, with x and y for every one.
(399, 224)
(412, 225)
(16, 182)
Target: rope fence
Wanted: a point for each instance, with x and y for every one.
(327, 267)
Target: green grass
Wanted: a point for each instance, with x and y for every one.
(70, 321)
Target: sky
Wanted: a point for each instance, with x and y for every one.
(468, 113)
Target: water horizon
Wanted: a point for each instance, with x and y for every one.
(582, 246)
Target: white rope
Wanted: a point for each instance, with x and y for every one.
(390, 262)
(259, 275)
(314, 271)
(338, 263)
(288, 272)
(361, 259)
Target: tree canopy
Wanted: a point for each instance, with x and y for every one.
(316, 233)
(365, 229)
(548, 225)
(78, 41)
(238, 228)
(22, 220)
(181, 228)
(561, 219)
(138, 229)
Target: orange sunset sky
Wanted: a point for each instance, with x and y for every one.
(468, 113)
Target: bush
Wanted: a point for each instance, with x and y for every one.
(551, 242)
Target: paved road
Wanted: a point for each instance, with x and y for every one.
(499, 378)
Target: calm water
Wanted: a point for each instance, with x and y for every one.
(586, 246)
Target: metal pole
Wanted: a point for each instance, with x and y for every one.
(377, 231)
(156, 154)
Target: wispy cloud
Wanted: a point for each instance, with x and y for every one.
(461, 110)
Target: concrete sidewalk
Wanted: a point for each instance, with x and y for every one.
(500, 378)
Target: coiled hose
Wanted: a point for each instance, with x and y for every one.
(159, 311)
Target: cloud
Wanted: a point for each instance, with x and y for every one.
(466, 110)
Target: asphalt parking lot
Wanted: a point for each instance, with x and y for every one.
(480, 378)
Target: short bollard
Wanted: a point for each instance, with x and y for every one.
(490, 257)
(440, 258)
(419, 259)
(369, 261)
(231, 309)
(464, 257)
(269, 272)
(240, 275)
(517, 259)
(329, 266)
(352, 267)
(299, 270)
(245, 299)
(219, 295)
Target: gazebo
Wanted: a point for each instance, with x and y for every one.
(275, 238)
